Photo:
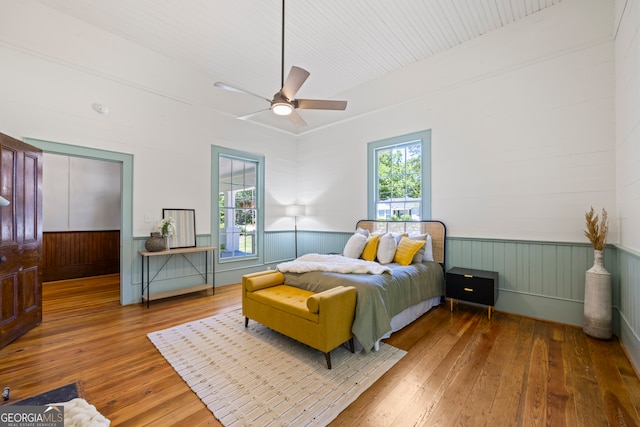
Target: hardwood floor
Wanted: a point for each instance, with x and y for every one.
(461, 369)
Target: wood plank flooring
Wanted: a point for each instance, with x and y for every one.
(461, 368)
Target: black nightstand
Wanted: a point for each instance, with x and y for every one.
(470, 285)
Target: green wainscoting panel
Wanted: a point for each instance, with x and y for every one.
(321, 242)
(629, 280)
(541, 307)
(538, 279)
(279, 246)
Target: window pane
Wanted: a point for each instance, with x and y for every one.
(399, 181)
(238, 207)
(399, 177)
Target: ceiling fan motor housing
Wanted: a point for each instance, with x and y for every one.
(282, 106)
(284, 102)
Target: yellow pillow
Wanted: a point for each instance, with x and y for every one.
(371, 248)
(407, 249)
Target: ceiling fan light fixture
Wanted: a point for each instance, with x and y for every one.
(284, 102)
(282, 108)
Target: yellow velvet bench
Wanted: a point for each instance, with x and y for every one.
(320, 320)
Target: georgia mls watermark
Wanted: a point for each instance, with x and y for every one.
(32, 416)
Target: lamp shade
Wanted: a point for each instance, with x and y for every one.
(294, 210)
(3, 201)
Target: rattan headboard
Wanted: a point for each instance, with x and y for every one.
(436, 229)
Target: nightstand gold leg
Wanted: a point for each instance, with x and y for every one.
(490, 310)
(451, 299)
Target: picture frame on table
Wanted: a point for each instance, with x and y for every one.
(185, 223)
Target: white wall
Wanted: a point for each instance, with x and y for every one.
(627, 53)
(162, 112)
(80, 194)
(522, 124)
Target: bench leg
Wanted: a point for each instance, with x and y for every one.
(351, 345)
(327, 356)
(246, 322)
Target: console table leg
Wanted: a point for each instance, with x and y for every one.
(148, 285)
(142, 279)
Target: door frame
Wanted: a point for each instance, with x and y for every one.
(126, 194)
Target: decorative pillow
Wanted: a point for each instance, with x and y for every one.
(362, 231)
(428, 249)
(425, 253)
(386, 249)
(354, 246)
(398, 236)
(371, 247)
(418, 255)
(407, 249)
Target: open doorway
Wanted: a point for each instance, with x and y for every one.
(128, 293)
(81, 217)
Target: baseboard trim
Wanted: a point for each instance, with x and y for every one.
(541, 307)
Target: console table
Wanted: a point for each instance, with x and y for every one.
(146, 257)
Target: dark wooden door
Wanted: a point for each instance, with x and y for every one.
(20, 238)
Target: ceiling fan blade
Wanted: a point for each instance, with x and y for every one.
(297, 76)
(320, 104)
(296, 119)
(235, 89)
(248, 116)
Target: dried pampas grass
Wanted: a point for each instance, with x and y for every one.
(597, 229)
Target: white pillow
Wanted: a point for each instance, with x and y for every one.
(355, 246)
(386, 249)
(426, 252)
(428, 249)
(397, 237)
(363, 232)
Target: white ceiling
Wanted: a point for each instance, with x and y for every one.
(342, 43)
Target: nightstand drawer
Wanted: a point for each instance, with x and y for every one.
(470, 285)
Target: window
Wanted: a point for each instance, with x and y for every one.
(400, 178)
(239, 198)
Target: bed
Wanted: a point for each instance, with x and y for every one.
(389, 301)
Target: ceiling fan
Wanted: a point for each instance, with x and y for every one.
(284, 102)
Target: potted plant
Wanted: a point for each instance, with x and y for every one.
(159, 239)
(167, 228)
(597, 290)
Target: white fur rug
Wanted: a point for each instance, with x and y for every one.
(79, 413)
(256, 377)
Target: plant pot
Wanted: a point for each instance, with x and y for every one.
(155, 243)
(597, 299)
(166, 243)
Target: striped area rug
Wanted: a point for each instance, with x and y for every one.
(255, 376)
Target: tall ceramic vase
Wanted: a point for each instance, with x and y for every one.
(597, 299)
